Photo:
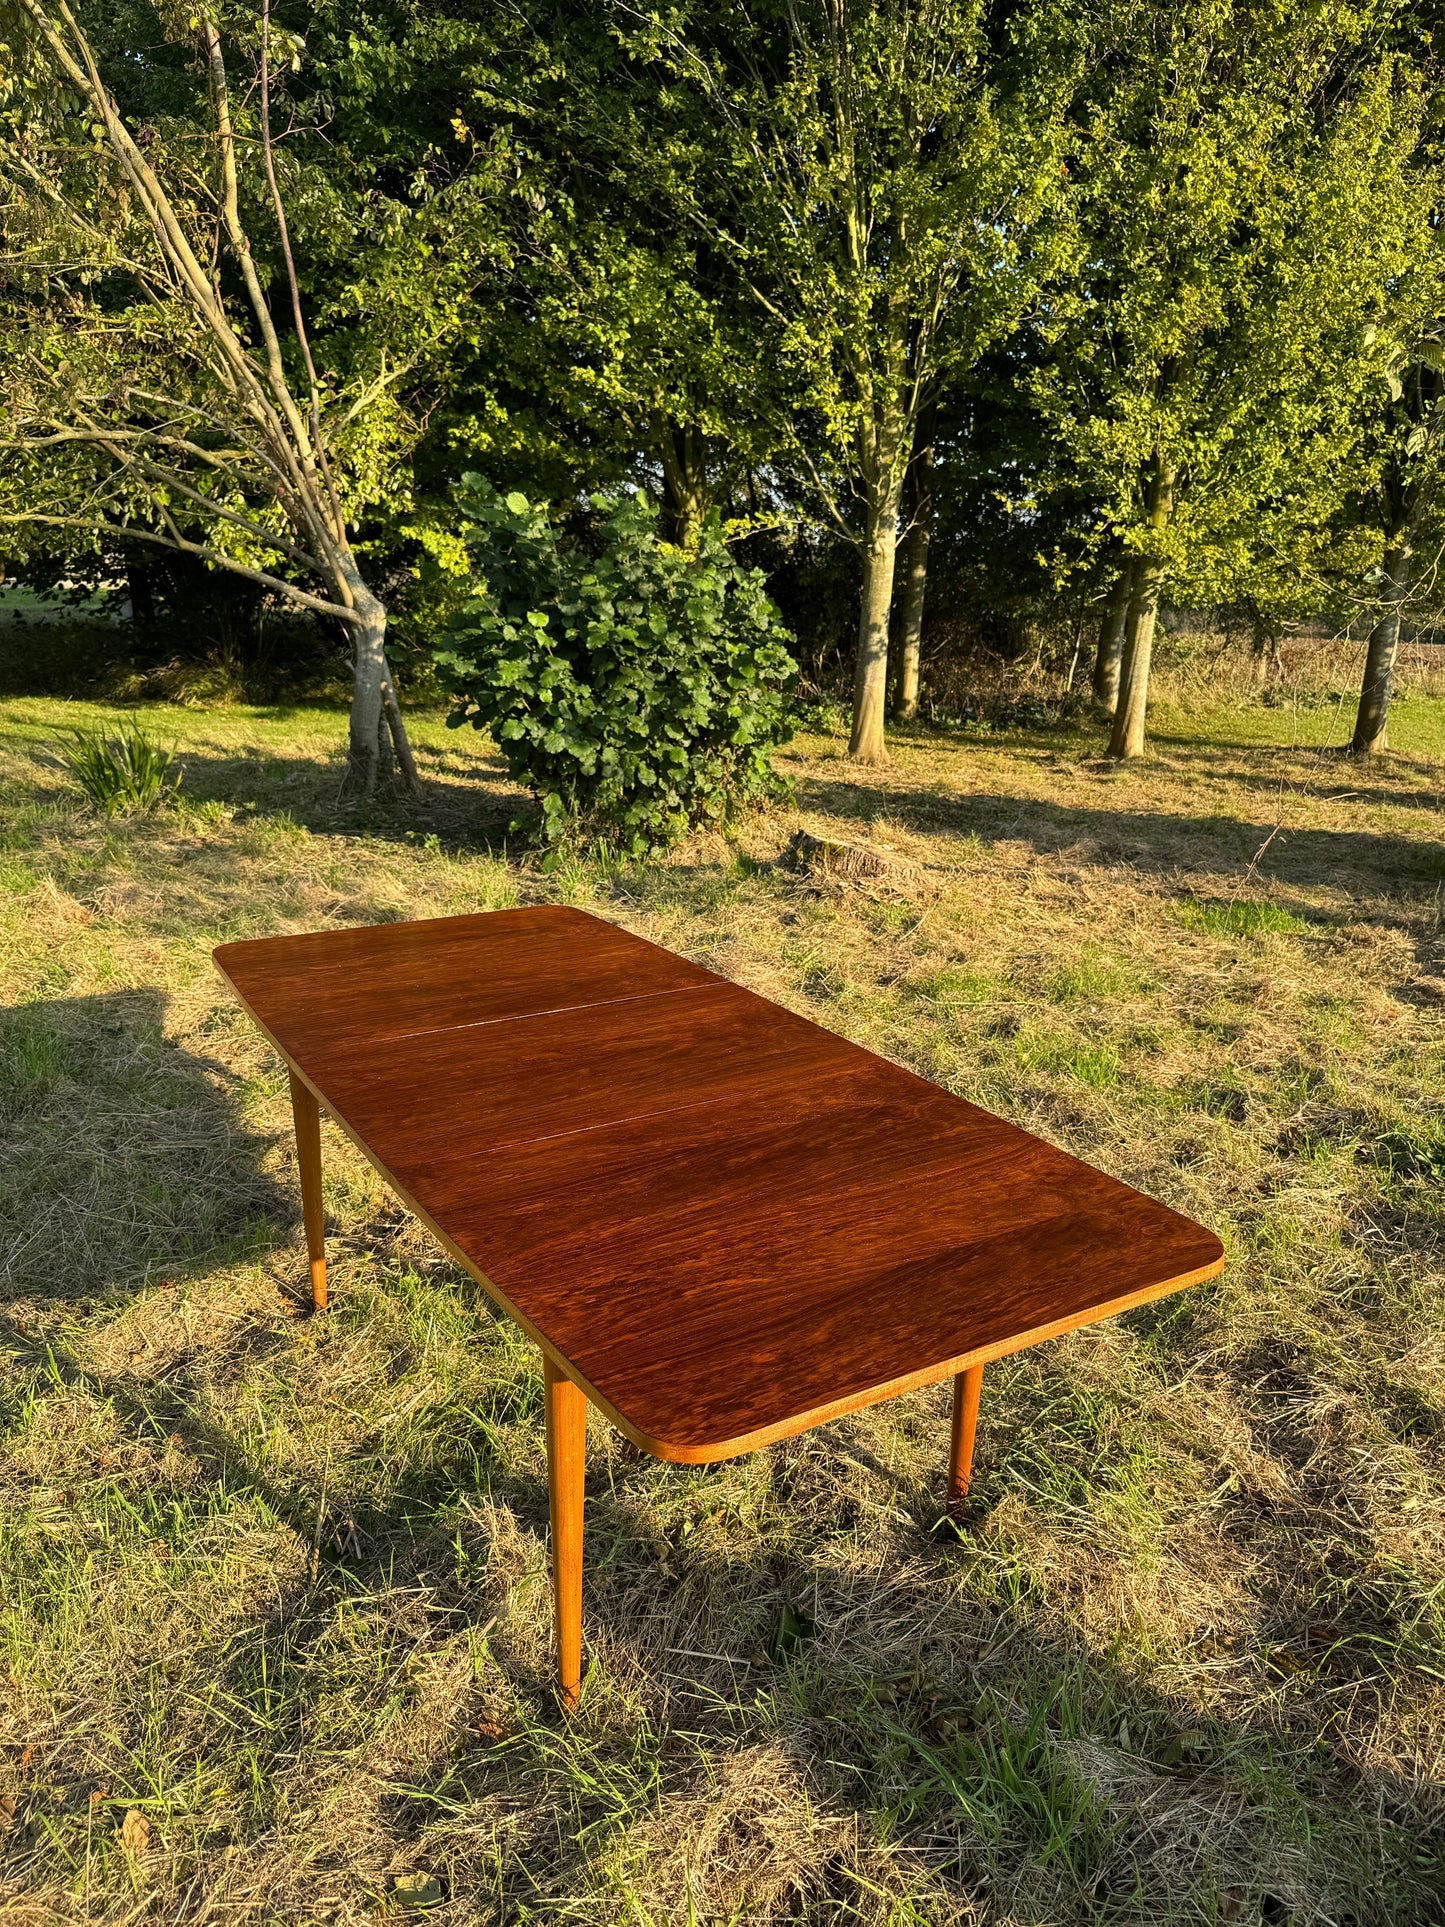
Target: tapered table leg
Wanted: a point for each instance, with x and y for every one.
(566, 1461)
(966, 1388)
(307, 1116)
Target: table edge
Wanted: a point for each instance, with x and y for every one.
(760, 1436)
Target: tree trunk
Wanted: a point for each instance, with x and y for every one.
(140, 584)
(401, 743)
(1265, 637)
(1127, 737)
(870, 680)
(686, 495)
(1112, 630)
(915, 569)
(368, 671)
(376, 724)
(1379, 679)
(385, 759)
(910, 621)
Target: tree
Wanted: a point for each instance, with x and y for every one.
(617, 348)
(160, 370)
(1241, 181)
(1408, 428)
(878, 175)
(918, 505)
(627, 359)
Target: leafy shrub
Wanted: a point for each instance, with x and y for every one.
(126, 771)
(637, 690)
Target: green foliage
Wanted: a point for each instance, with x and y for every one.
(636, 691)
(791, 1628)
(1244, 195)
(96, 325)
(124, 771)
(1250, 200)
(1160, 286)
(882, 175)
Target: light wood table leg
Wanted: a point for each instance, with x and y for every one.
(566, 1464)
(307, 1116)
(966, 1388)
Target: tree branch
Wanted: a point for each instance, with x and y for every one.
(279, 205)
(128, 532)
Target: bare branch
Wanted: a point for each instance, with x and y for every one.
(279, 205)
(113, 442)
(171, 239)
(129, 532)
(296, 446)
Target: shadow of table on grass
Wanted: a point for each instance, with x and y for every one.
(857, 1717)
(905, 1753)
(123, 1157)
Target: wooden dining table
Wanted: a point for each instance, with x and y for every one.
(720, 1222)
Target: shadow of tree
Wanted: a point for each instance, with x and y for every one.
(1323, 777)
(1150, 840)
(467, 800)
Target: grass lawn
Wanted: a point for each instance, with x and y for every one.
(274, 1620)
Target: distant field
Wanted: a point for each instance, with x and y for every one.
(1417, 724)
(276, 1584)
(20, 603)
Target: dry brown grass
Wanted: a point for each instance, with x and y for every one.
(278, 1584)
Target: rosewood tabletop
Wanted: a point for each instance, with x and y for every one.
(721, 1223)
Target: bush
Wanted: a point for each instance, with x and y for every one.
(127, 771)
(636, 691)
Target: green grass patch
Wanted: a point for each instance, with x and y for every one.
(1090, 1062)
(1245, 917)
(1092, 974)
(32, 1054)
(1017, 1787)
(1417, 724)
(954, 987)
(1415, 1150)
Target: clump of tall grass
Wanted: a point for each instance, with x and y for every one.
(126, 770)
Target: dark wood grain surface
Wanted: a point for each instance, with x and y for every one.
(723, 1221)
